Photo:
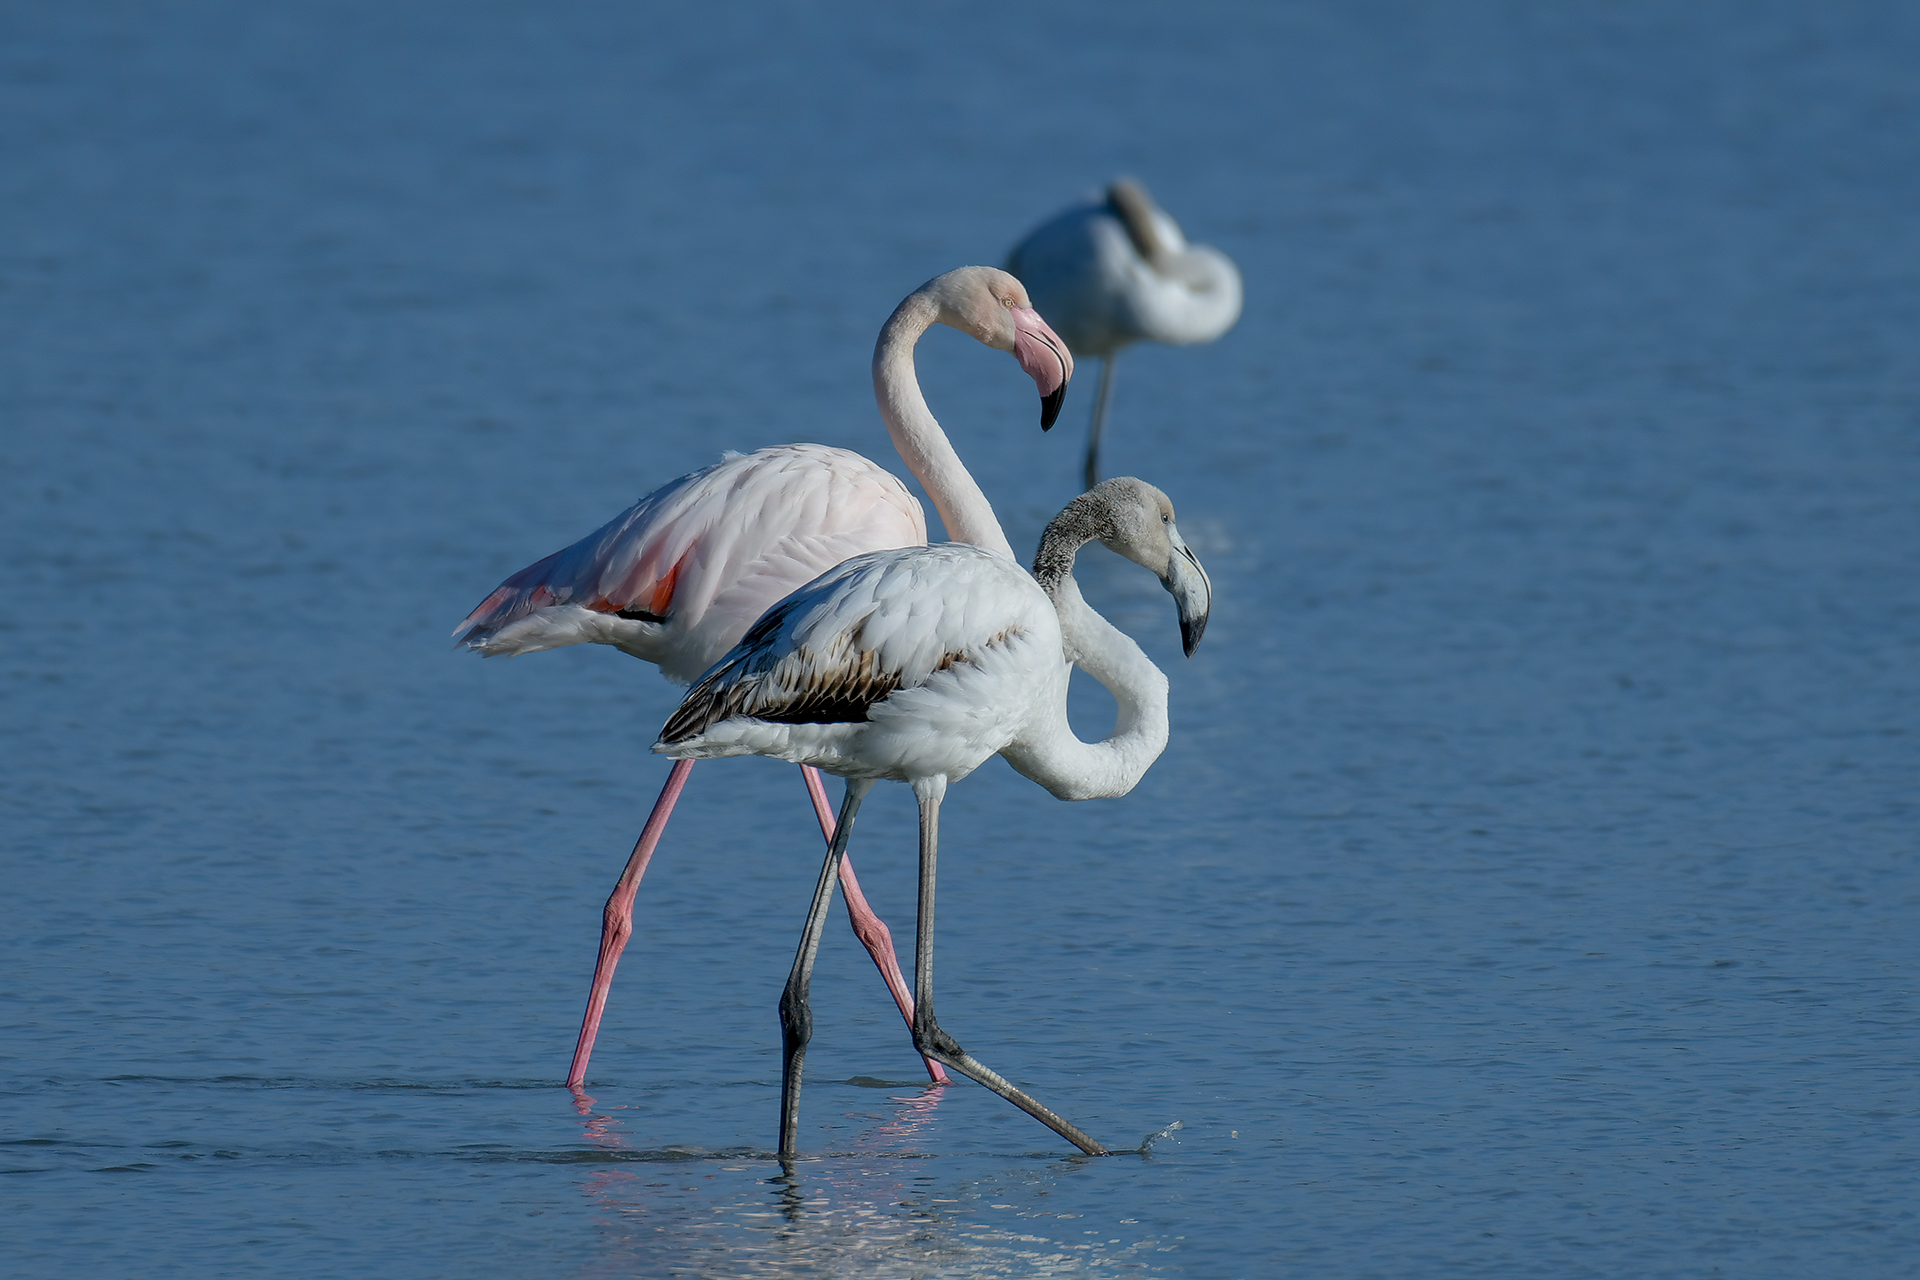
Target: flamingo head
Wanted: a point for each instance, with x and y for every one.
(1134, 519)
(993, 307)
(1140, 526)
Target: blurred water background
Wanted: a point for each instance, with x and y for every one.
(1529, 888)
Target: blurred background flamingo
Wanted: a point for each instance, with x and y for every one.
(1114, 270)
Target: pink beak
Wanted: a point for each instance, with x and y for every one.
(1045, 358)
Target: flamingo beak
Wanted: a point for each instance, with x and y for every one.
(1192, 590)
(1045, 358)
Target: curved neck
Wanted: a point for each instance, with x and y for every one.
(1048, 752)
(923, 446)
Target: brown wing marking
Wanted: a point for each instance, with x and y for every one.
(829, 693)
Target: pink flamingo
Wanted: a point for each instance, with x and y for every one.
(677, 578)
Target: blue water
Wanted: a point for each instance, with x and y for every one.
(1529, 888)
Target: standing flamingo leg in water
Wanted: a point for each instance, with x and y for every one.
(617, 921)
(796, 1016)
(1115, 270)
(868, 927)
(677, 578)
(796, 1013)
(927, 1035)
(917, 665)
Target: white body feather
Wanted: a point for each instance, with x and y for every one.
(929, 647)
(918, 664)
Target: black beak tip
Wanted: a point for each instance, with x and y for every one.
(1050, 406)
(1191, 631)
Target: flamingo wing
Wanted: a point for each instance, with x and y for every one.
(677, 577)
(918, 643)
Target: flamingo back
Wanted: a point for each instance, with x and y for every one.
(678, 577)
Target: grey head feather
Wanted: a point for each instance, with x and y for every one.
(1131, 204)
(1131, 517)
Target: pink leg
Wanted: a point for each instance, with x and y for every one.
(868, 927)
(616, 924)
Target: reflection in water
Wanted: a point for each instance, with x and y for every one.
(880, 1209)
(911, 1118)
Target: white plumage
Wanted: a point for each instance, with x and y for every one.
(890, 666)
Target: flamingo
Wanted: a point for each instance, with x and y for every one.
(917, 664)
(1115, 269)
(677, 578)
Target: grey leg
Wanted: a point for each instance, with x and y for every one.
(1099, 420)
(928, 1038)
(867, 926)
(796, 1017)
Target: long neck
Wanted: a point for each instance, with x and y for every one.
(1049, 753)
(923, 446)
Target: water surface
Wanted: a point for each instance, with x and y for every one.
(1529, 886)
